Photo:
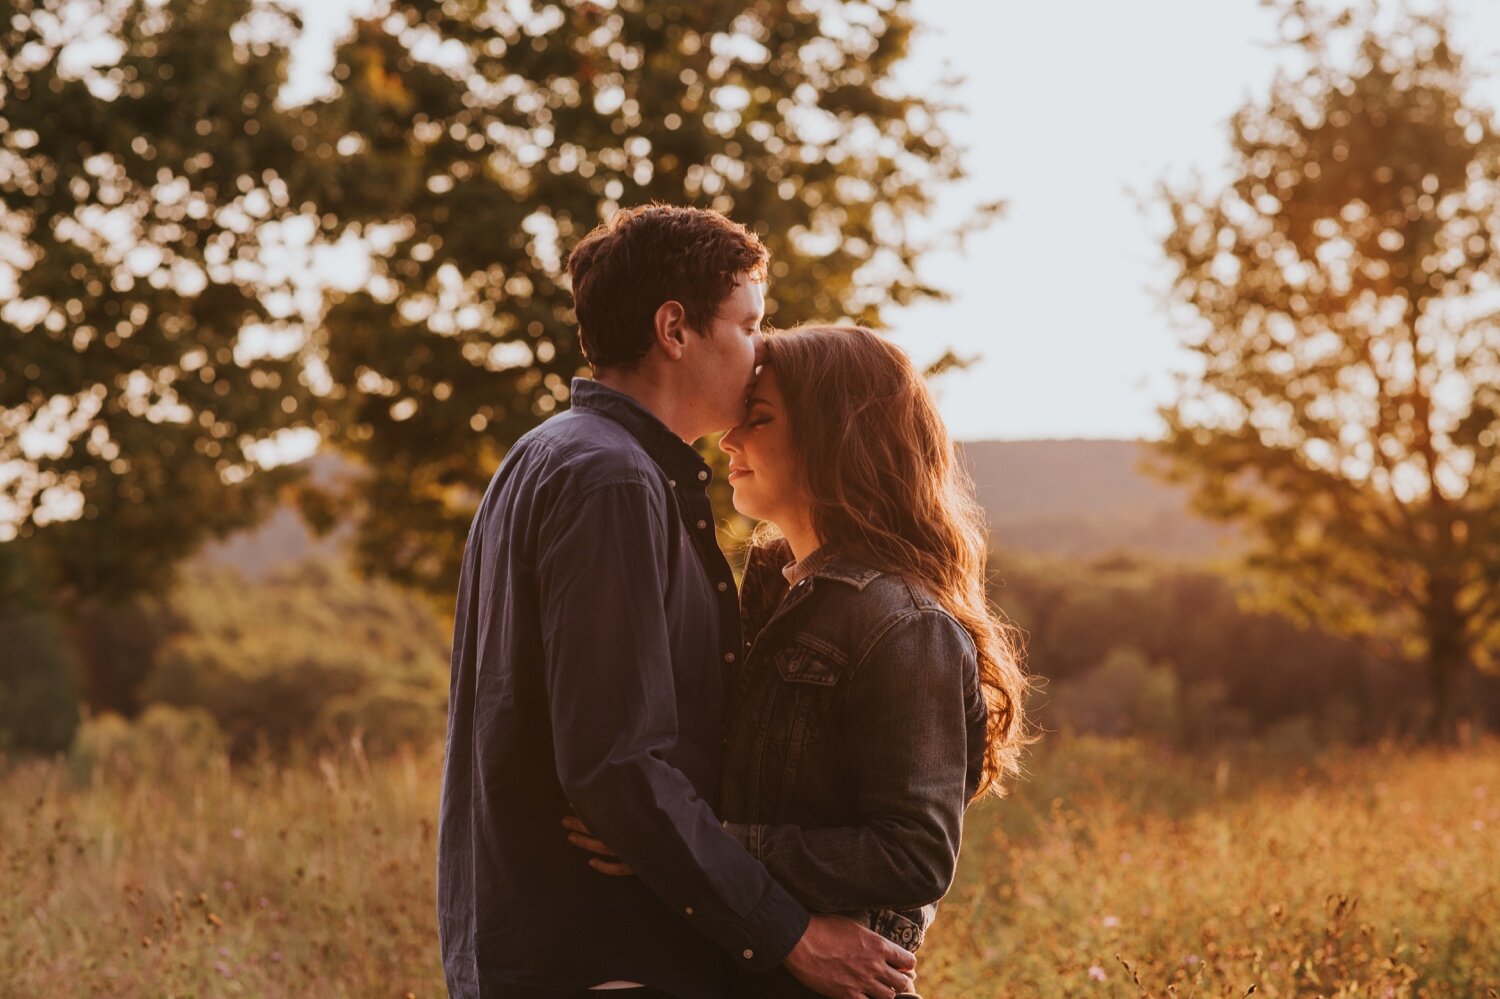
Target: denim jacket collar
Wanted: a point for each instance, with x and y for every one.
(681, 461)
(845, 567)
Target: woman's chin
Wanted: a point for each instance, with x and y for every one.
(744, 505)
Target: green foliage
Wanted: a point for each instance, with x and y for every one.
(164, 743)
(1179, 654)
(38, 685)
(546, 119)
(157, 202)
(1123, 695)
(144, 301)
(304, 657)
(1347, 411)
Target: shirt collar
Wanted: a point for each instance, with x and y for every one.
(682, 463)
(831, 565)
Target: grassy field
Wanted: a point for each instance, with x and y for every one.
(1114, 871)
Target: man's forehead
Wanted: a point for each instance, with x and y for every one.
(748, 297)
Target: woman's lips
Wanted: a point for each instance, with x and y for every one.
(735, 473)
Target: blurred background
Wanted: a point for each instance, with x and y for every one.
(1207, 292)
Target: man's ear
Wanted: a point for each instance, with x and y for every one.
(671, 329)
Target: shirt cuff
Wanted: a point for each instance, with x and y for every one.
(772, 930)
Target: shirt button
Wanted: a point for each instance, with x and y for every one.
(702, 476)
(729, 657)
(748, 954)
(723, 587)
(702, 524)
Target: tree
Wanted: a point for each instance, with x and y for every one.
(147, 179)
(1348, 407)
(483, 160)
(161, 206)
(140, 197)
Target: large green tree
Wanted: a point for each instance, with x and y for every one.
(483, 142)
(147, 180)
(159, 202)
(1347, 406)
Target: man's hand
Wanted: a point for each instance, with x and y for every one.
(840, 958)
(606, 862)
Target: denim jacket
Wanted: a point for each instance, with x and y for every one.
(854, 740)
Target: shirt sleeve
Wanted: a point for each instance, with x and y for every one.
(907, 720)
(602, 573)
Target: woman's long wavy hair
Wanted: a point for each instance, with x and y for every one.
(883, 477)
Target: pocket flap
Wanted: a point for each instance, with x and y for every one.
(806, 659)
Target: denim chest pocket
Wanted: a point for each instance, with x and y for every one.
(809, 660)
(807, 674)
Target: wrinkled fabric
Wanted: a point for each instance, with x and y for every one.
(596, 618)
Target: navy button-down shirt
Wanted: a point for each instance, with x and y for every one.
(596, 623)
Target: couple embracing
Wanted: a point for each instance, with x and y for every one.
(657, 785)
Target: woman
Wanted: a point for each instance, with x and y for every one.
(881, 694)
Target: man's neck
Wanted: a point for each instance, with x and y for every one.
(659, 398)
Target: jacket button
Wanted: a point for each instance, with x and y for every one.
(702, 476)
(723, 587)
(729, 657)
(748, 954)
(702, 524)
(689, 910)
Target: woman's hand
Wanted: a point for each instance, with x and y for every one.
(579, 836)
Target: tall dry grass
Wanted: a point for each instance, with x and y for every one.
(1372, 873)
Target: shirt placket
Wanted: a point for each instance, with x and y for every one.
(698, 514)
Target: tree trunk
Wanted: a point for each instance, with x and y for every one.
(115, 646)
(1450, 669)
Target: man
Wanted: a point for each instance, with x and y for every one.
(596, 622)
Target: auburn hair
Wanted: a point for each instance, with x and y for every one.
(884, 479)
(627, 268)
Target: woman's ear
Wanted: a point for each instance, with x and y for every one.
(671, 329)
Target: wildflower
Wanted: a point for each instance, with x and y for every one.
(237, 832)
(1096, 973)
(1110, 922)
(1192, 959)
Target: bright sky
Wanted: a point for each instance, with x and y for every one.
(1075, 107)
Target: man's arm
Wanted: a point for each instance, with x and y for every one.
(907, 734)
(601, 574)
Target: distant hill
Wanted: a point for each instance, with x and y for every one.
(1086, 498)
(1081, 498)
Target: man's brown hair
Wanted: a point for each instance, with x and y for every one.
(628, 267)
